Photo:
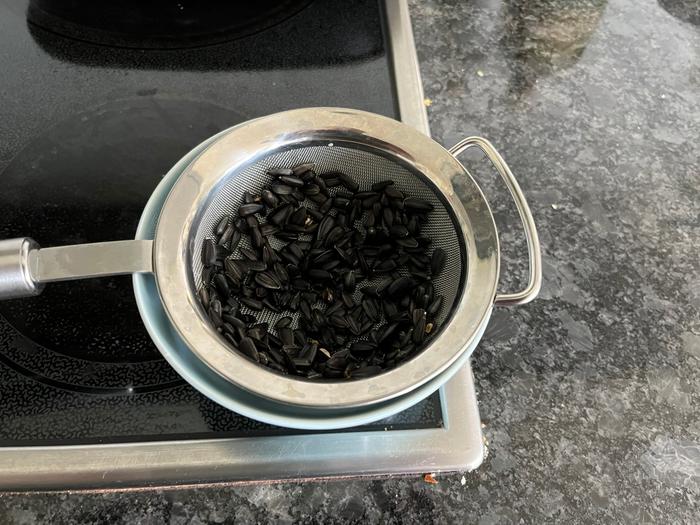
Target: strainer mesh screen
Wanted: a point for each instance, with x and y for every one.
(363, 166)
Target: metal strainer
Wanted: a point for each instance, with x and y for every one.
(368, 147)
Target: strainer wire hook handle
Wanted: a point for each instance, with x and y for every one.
(533, 243)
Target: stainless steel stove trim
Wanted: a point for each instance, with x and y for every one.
(456, 446)
(252, 458)
(409, 88)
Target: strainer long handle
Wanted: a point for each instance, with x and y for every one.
(533, 241)
(25, 268)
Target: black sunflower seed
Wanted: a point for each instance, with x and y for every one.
(416, 204)
(235, 240)
(278, 172)
(339, 360)
(204, 295)
(303, 168)
(215, 318)
(295, 228)
(298, 216)
(286, 335)
(283, 322)
(249, 254)
(365, 371)
(311, 190)
(249, 209)
(253, 304)
(362, 347)
(338, 321)
(419, 322)
(235, 269)
(268, 303)
(390, 310)
(226, 236)
(388, 217)
(208, 252)
(270, 199)
(298, 195)
(398, 231)
(326, 206)
(330, 265)
(387, 332)
(385, 266)
(221, 226)
(291, 180)
(341, 202)
(369, 202)
(247, 347)
(305, 309)
(348, 299)
(320, 275)
(322, 185)
(236, 322)
(401, 286)
(435, 306)
(379, 186)
(348, 182)
(232, 340)
(257, 237)
(407, 242)
(281, 272)
(437, 261)
(242, 225)
(370, 308)
(248, 198)
(268, 229)
(349, 281)
(281, 189)
(393, 192)
(353, 325)
(296, 250)
(257, 332)
(268, 280)
(334, 236)
(221, 284)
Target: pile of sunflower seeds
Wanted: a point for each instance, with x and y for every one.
(350, 265)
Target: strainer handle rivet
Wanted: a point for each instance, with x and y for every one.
(533, 243)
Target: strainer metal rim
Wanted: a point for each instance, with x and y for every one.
(258, 138)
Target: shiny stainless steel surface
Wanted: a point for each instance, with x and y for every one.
(405, 64)
(457, 446)
(219, 166)
(25, 267)
(81, 261)
(533, 243)
(15, 277)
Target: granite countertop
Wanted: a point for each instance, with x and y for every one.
(590, 396)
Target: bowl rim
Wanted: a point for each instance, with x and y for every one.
(213, 386)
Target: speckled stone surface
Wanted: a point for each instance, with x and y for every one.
(590, 396)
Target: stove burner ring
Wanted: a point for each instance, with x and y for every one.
(159, 25)
(88, 337)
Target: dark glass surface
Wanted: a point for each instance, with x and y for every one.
(159, 24)
(86, 133)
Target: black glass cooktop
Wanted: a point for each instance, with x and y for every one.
(91, 117)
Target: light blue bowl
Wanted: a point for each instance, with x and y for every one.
(215, 387)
